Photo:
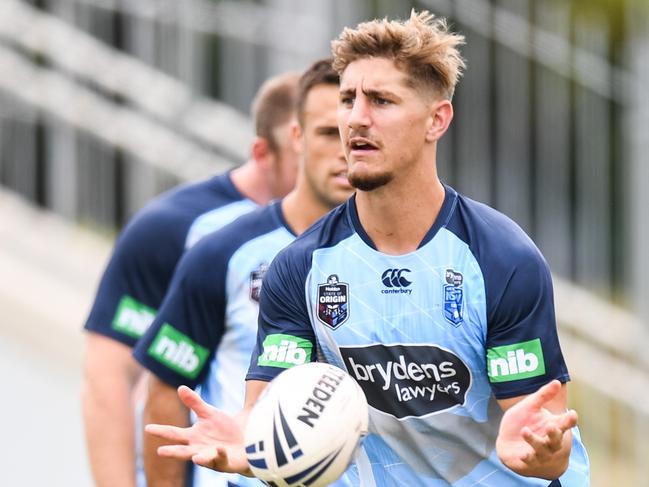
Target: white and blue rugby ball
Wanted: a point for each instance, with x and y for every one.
(305, 427)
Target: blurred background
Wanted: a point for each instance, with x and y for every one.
(106, 103)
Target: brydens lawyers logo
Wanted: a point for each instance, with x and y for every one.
(256, 278)
(405, 380)
(395, 281)
(333, 305)
(453, 297)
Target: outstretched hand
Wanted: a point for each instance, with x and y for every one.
(215, 441)
(533, 440)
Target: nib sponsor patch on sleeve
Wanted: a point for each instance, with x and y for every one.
(178, 352)
(132, 317)
(285, 351)
(515, 362)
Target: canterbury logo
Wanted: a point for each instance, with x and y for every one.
(395, 278)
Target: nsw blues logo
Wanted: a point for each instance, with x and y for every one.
(453, 297)
(333, 305)
(256, 278)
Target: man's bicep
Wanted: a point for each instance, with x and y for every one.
(104, 354)
(254, 389)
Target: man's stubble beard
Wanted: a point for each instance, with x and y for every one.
(369, 182)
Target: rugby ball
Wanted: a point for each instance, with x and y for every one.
(305, 427)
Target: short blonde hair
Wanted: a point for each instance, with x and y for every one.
(422, 45)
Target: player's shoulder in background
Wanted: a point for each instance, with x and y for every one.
(168, 217)
(328, 231)
(221, 244)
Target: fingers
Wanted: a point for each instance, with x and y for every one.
(543, 445)
(567, 420)
(173, 434)
(179, 452)
(545, 394)
(552, 439)
(194, 402)
(216, 459)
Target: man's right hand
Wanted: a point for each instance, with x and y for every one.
(214, 441)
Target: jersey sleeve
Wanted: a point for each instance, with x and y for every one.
(179, 345)
(136, 277)
(523, 351)
(285, 337)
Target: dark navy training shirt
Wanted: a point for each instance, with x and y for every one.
(150, 246)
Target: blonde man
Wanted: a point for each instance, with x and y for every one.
(463, 371)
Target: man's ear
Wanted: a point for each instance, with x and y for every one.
(261, 152)
(439, 121)
(296, 137)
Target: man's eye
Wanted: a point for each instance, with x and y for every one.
(329, 132)
(382, 101)
(347, 100)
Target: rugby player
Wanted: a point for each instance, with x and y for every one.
(206, 327)
(464, 375)
(143, 260)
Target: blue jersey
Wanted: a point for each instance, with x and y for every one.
(148, 249)
(434, 337)
(207, 324)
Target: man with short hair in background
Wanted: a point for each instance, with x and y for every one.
(207, 324)
(140, 269)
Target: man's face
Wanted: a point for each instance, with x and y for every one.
(383, 122)
(325, 166)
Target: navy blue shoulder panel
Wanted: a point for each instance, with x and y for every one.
(197, 293)
(149, 247)
(282, 306)
(518, 287)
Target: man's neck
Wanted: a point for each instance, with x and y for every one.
(398, 216)
(251, 183)
(302, 209)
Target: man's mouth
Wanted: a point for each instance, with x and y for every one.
(361, 144)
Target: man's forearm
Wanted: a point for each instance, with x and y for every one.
(107, 402)
(163, 407)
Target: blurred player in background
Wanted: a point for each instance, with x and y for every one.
(440, 307)
(207, 324)
(140, 269)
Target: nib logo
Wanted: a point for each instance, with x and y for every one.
(178, 352)
(285, 351)
(515, 362)
(132, 317)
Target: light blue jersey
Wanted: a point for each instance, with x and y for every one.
(207, 325)
(434, 338)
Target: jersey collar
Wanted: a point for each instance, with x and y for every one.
(442, 219)
(278, 214)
